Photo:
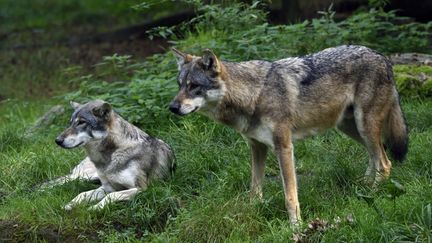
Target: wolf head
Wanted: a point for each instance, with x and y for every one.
(89, 122)
(200, 82)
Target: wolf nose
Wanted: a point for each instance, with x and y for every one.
(59, 141)
(174, 107)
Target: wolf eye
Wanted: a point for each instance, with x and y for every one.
(81, 122)
(193, 86)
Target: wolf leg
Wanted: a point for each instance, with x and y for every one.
(85, 170)
(349, 127)
(369, 126)
(259, 154)
(285, 154)
(88, 196)
(116, 196)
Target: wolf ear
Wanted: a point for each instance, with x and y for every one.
(210, 61)
(181, 57)
(74, 105)
(102, 111)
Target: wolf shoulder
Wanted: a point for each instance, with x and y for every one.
(157, 158)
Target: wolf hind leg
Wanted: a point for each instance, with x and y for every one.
(349, 127)
(85, 170)
(369, 125)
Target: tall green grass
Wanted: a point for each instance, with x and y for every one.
(207, 199)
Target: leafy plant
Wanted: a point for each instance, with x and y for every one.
(144, 100)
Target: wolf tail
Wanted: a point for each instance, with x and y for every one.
(173, 164)
(396, 133)
(172, 160)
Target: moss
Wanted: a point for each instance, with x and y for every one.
(427, 88)
(413, 81)
(413, 69)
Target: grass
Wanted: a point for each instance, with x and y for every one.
(22, 15)
(207, 199)
(34, 66)
(35, 74)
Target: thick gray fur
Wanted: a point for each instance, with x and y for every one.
(125, 158)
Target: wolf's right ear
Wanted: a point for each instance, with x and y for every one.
(75, 105)
(102, 110)
(211, 61)
(181, 57)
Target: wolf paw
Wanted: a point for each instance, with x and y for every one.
(256, 195)
(96, 207)
(68, 207)
(296, 225)
(368, 180)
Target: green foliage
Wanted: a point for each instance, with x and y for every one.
(150, 89)
(227, 19)
(250, 37)
(378, 3)
(145, 98)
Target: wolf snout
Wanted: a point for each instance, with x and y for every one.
(59, 141)
(175, 107)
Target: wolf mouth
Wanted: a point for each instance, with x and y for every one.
(184, 114)
(73, 146)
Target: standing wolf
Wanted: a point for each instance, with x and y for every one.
(274, 103)
(126, 159)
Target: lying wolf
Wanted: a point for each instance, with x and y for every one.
(124, 158)
(274, 103)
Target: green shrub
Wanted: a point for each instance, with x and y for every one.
(144, 100)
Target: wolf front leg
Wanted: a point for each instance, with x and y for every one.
(285, 153)
(116, 196)
(88, 196)
(258, 154)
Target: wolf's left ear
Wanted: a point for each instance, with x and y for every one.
(103, 110)
(181, 57)
(75, 105)
(210, 61)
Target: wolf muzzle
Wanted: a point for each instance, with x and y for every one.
(174, 107)
(59, 141)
